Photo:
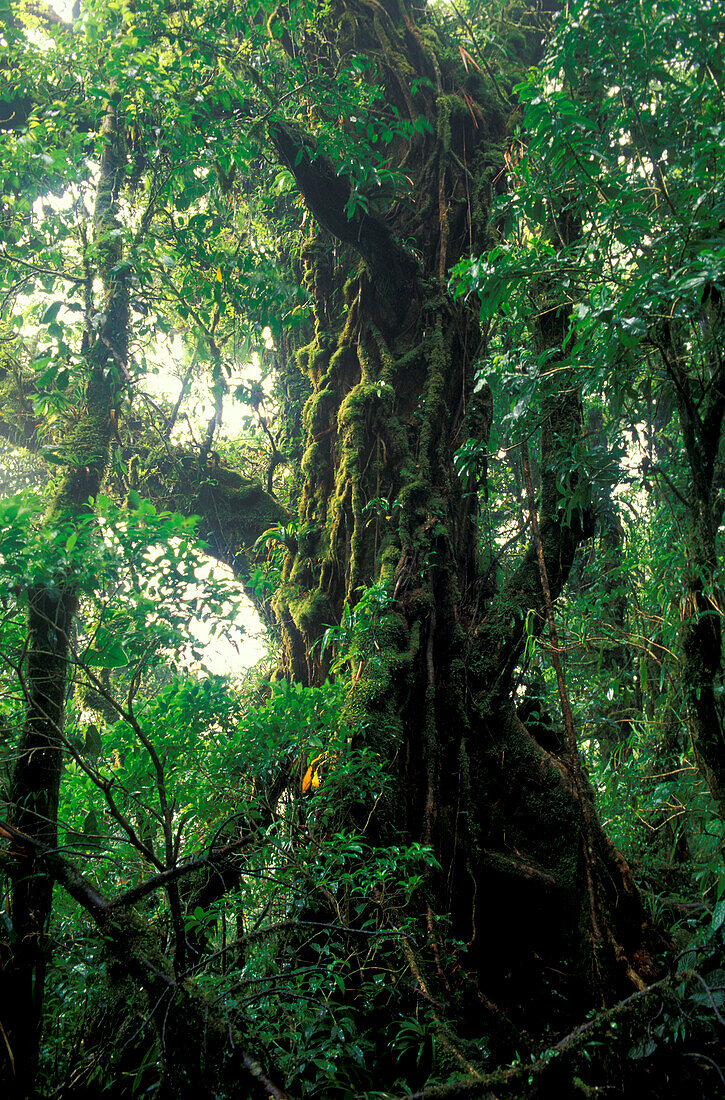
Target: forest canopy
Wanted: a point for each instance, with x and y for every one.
(404, 323)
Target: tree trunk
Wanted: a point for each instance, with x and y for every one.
(36, 777)
(531, 882)
(701, 407)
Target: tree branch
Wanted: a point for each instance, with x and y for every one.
(327, 196)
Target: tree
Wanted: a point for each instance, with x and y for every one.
(392, 364)
(317, 178)
(619, 142)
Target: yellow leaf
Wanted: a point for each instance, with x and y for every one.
(311, 778)
(218, 274)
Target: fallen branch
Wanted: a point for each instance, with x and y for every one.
(503, 1082)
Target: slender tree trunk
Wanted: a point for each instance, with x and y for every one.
(36, 777)
(702, 414)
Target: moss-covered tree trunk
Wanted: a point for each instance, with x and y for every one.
(543, 903)
(36, 776)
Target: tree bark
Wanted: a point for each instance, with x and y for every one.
(701, 407)
(36, 777)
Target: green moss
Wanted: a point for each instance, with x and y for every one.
(347, 31)
(351, 286)
(317, 413)
(234, 510)
(318, 360)
(357, 404)
(88, 451)
(312, 359)
(311, 612)
(310, 459)
(308, 539)
(359, 542)
(337, 359)
(302, 359)
(447, 107)
(373, 703)
(388, 564)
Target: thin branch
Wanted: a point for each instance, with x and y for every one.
(38, 269)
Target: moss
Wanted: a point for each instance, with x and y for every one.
(373, 705)
(134, 471)
(87, 450)
(351, 287)
(302, 359)
(242, 507)
(357, 404)
(318, 360)
(310, 459)
(310, 612)
(317, 413)
(315, 493)
(447, 107)
(397, 435)
(308, 539)
(347, 31)
(358, 543)
(337, 359)
(434, 395)
(388, 564)
(234, 510)
(312, 359)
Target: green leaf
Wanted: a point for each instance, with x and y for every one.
(54, 458)
(112, 656)
(93, 745)
(50, 313)
(74, 838)
(91, 830)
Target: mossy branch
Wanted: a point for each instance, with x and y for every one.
(188, 1023)
(520, 1080)
(327, 195)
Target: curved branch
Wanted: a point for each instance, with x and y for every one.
(509, 1082)
(327, 195)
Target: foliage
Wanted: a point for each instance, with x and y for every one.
(162, 168)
